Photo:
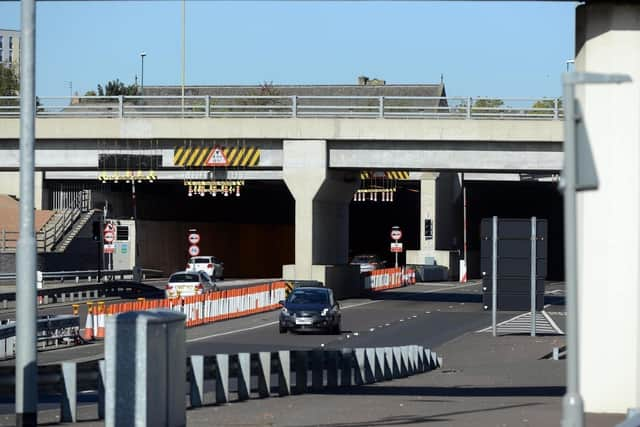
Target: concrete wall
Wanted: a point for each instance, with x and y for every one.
(299, 128)
(608, 41)
(10, 184)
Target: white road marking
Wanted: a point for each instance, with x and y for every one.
(206, 337)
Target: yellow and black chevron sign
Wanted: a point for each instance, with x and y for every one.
(399, 175)
(197, 156)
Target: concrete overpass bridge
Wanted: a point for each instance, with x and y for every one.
(316, 145)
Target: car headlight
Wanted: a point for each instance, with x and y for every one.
(324, 312)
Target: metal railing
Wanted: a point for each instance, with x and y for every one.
(52, 332)
(286, 372)
(290, 107)
(51, 234)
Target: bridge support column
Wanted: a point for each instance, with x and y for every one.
(608, 41)
(439, 194)
(322, 198)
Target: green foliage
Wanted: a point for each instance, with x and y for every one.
(116, 88)
(544, 106)
(90, 93)
(9, 83)
(9, 86)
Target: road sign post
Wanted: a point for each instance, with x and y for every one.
(396, 234)
(194, 239)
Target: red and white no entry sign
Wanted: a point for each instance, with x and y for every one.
(396, 234)
(194, 250)
(109, 236)
(194, 238)
(108, 227)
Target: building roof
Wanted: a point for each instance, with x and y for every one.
(420, 90)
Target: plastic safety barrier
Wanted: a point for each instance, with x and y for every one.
(389, 278)
(210, 307)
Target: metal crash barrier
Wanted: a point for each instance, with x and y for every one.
(241, 376)
(53, 331)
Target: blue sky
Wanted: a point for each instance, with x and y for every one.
(482, 49)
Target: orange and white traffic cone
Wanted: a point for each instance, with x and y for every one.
(100, 320)
(88, 326)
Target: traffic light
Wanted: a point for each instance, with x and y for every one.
(428, 233)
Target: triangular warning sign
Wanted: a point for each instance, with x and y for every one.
(216, 158)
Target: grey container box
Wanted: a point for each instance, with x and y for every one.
(145, 357)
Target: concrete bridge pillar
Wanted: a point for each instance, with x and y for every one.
(322, 198)
(439, 198)
(608, 41)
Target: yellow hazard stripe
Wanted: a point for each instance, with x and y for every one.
(203, 157)
(245, 159)
(231, 155)
(198, 156)
(193, 156)
(253, 161)
(176, 155)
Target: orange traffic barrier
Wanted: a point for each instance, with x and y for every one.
(100, 323)
(88, 326)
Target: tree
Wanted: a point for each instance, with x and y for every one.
(545, 106)
(116, 88)
(9, 86)
(488, 106)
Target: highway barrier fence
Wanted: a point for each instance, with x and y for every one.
(239, 377)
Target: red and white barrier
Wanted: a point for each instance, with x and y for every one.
(214, 306)
(389, 278)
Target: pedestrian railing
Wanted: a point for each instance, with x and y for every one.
(239, 377)
(290, 107)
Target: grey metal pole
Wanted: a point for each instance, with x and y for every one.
(572, 405)
(26, 351)
(494, 275)
(533, 275)
(184, 19)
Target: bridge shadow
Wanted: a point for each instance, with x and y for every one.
(401, 420)
(453, 391)
(426, 297)
(446, 297)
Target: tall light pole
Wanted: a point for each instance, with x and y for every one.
(184, 18)
(142, 55)
(569, 61)
(26, 365)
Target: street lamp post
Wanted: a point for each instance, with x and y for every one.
(142, 55)
(569, 61)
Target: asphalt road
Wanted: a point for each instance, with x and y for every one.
(425, 314)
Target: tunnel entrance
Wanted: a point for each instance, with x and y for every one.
(253, 234)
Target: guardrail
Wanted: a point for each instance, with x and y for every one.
(51, 331)
(285, 372)
(290, 106)
(116, 288)
(89, 275)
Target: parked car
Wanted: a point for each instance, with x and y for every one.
(189, 283)
(368, 262)
(209, 264)
(309, 308)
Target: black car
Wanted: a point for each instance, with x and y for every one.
(310, 309)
